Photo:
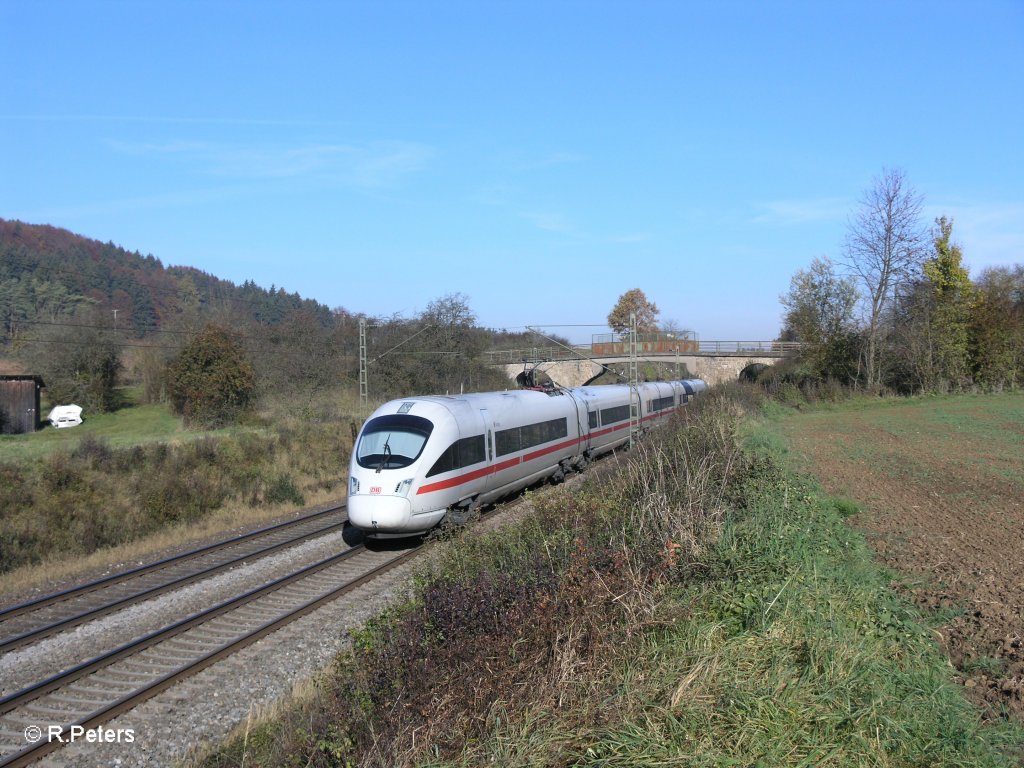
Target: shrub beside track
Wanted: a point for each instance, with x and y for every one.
(72, 503)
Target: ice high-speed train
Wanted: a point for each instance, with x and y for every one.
(419, 459)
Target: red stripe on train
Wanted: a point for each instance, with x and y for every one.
(451, 482)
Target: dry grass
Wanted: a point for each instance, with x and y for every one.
(100, 507)
(19, 584)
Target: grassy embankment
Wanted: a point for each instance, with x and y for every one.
(705, 607)
(129, 483)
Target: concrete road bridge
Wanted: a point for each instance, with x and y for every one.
(713, 361)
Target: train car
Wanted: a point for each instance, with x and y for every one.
(421, 459)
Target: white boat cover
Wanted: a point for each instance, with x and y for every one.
(66, 416)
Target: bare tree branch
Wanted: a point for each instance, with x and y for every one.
(885, 245)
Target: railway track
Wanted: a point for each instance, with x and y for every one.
(34, 720)
(43, 716)
(36, 619)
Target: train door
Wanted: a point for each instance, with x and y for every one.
(485, 417)
(636, 413)
(586, 420)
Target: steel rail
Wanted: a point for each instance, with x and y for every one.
(124, 703)
(75, 619)
(70, 675)
(91, 586)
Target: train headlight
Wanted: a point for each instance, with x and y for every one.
(402, 489)
(353, 486)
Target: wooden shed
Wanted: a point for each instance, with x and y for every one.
(19, 403)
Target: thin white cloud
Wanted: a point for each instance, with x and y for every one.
(525, 162)
(632, 237)
(373, 165)
(549, 222)
(175, 147)
(94, 208)
(386, 163)
(550, 160)
(786, 212)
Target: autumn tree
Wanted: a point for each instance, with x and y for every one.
(211, 382)
(676, 329)
(300, 357)
(79, 359)
(634, 301)
(437, 352)
(929, 345)
(951, 294)
(452, 342)
(884, 249)
(819, 313)
(997, 328)
(452, 323)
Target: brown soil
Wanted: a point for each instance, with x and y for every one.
(943, 509)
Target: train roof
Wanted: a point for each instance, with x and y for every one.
(475, 400)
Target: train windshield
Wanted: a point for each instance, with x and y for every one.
(392, 442)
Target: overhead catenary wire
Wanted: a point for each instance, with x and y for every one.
(421, 330)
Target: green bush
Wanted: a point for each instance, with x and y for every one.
(74, 502)
(282, 489)
(211, 382)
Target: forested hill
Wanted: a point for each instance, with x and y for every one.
(48, 273)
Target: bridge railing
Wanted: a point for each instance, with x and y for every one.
(539, 354)
(535, 354)
(748, 347)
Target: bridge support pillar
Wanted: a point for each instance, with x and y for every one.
(565, 373)
(714, 369)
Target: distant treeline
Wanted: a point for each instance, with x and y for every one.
(47, 274)
(89, 316)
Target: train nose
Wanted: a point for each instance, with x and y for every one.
(383, 514)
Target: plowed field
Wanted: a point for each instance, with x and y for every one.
(940, 483)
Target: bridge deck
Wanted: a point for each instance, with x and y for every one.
(705, 349)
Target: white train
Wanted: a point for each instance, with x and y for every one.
(420, 459)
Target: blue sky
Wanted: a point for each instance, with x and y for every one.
(540, 157)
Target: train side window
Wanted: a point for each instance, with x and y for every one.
(446, 462)
(529, 435)
(661, 403)
(543, 432)
(471, 451)
(611, 415)
(506, 441)
(592, 419)
(461, 453)
(556, 429)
